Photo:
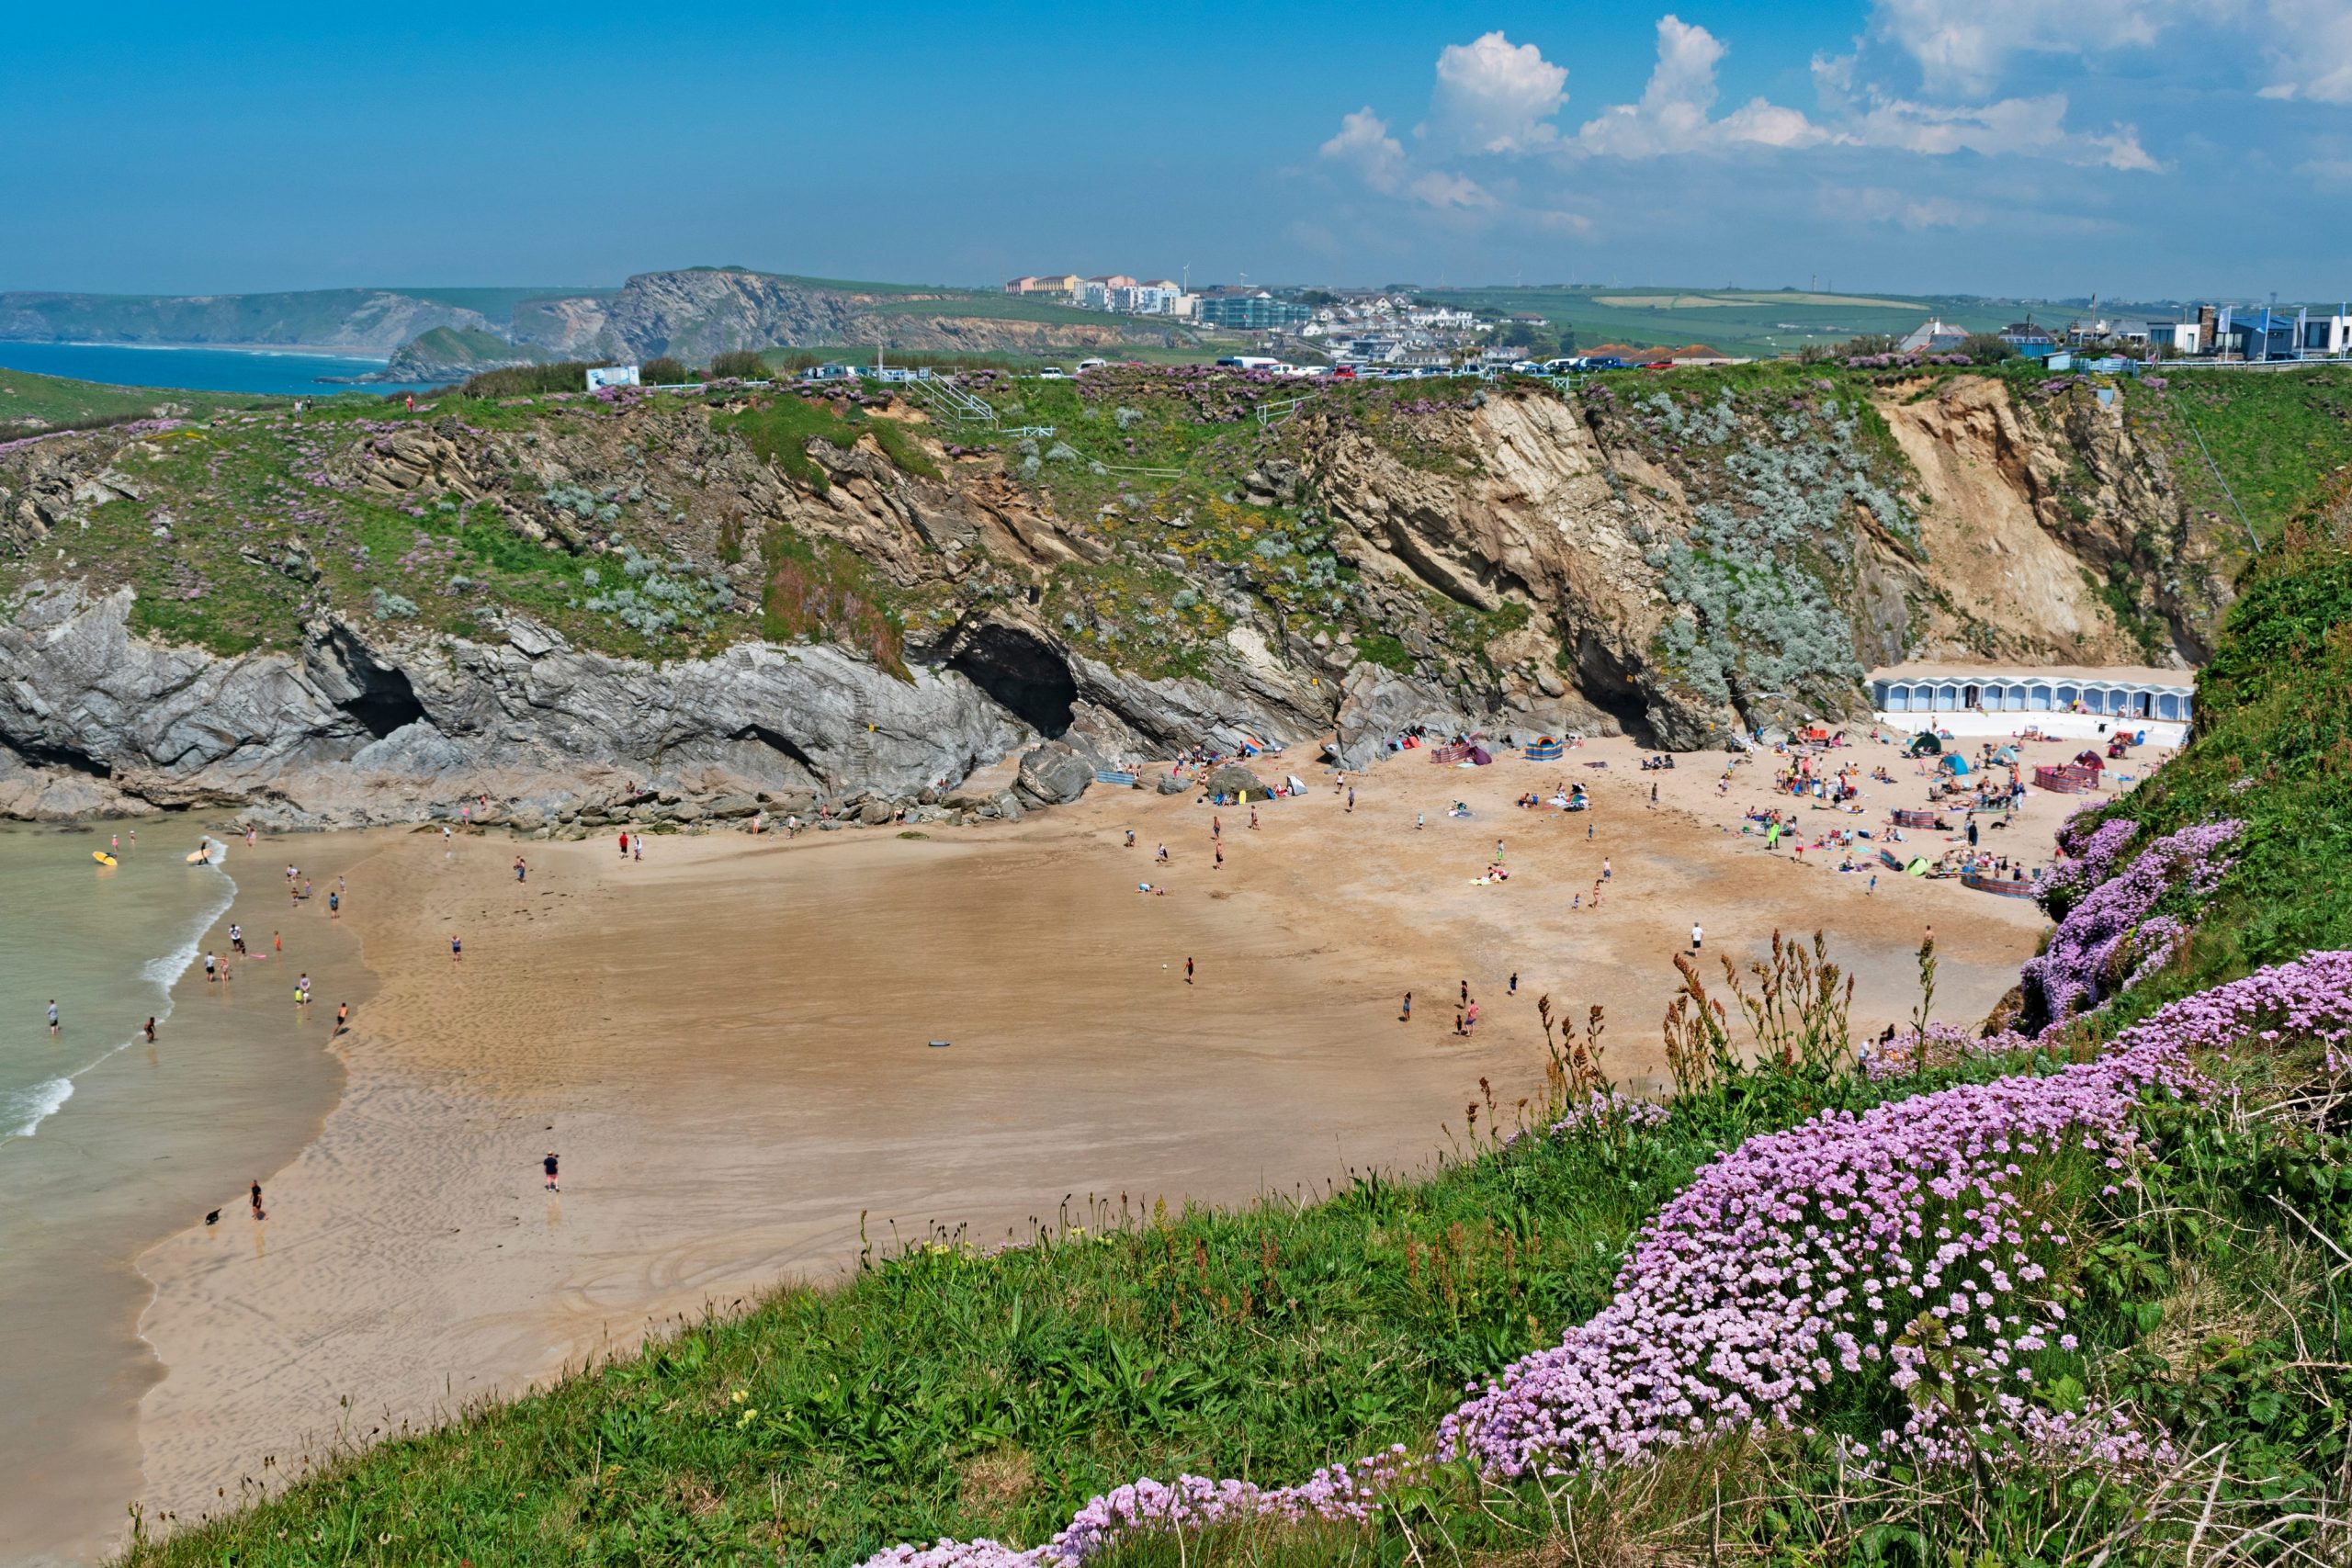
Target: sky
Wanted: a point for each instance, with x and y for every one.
(2142, 149)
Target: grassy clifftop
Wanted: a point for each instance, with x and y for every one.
(2104, 1318)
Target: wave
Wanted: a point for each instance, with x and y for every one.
(22, 1109)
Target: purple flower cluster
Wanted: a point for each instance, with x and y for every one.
(1943, 1044)
(2087, 947)
(1608, 1108)
(1336, 1493)
(1901, 1244)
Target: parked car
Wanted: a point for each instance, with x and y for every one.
(1052, 373)
(1085, 364)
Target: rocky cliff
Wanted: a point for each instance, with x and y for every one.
(363, 320)
(699, 312)
(582, 603)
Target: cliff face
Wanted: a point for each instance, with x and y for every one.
(371, 320)
(695, 314)
(576, 601)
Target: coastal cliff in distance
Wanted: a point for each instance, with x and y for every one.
(693, 313)
(682, 604)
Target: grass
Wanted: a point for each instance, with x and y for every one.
(2274, 747)
(32, 403)
(1737, 321)
(2276, 437)
(817, 590)
(780, 428)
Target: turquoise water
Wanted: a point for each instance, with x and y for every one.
(107, 1144)
(105, 942)
(193, 369)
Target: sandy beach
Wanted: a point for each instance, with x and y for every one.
(728, 1045)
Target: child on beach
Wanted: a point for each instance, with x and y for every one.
(548, 1164)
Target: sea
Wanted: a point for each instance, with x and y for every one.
(107, 1144)
(283, 372)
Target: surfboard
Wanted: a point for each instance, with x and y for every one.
(198, 857)
(102, 857)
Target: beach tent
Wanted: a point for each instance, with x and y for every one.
(1295, 787)
(2008, 754)
(1925, 744)
(2091, 759)
(1956, 763)
(1919, 867)
(1477, 756)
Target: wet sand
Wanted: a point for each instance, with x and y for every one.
(728, 1042)
(153, 1137)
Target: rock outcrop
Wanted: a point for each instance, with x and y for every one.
(1505, 560)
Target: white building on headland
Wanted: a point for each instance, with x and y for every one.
(2127, 693)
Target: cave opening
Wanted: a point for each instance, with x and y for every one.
(386, 700)
(1022, 674)
(1605, 685)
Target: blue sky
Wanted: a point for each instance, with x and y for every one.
(2136, 147)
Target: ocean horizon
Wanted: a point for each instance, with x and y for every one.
(266, 370)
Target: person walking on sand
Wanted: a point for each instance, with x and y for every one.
(457, 951)
(1352, 799)
(1514, 982)
(1160, 855)
(1220, 857)
(259, 1212)
(211, 967)
(277, 944)
(151, 1029)
(1216, 826)
(636, 849)
(1653, 798)
(237, 939)
(1131, 837)
(1419, 821)
(624, 844)
(522, 872)
(1405, 1016)
(1605, 872)
(341, 1016)
(52, 1018)
(445, 835)
(1698, 937)
(1254, 817)
(1873, 887)
(1188, 971)
(548, 1164)
(1465, 993)
(1596, 894)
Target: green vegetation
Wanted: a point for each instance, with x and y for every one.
(529, 380)
(819, 591)
(457, 348)
(780, 428)
(2277, 437)
(949, 1391)
(2274, 747)
(30, 404)
(1759, 323)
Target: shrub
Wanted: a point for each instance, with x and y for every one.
(739, 365)
(664, 372)
(530, 380)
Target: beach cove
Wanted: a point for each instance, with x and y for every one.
(729, 1043)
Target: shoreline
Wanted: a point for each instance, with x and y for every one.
(271, 350)
(154, 1138)
(727, 1042)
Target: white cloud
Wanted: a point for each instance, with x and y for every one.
(1867, 116)
(1878, 204)
(2312, 52)
(1672, 114)
(1450, 192)
(1494, 96)
(1962, 46)
(1363, 144)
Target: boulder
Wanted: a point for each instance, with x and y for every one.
(875, 813)
(1232, 778)
(1172, 784)
(1054, 774)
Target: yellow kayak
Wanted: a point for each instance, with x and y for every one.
(102, 857)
